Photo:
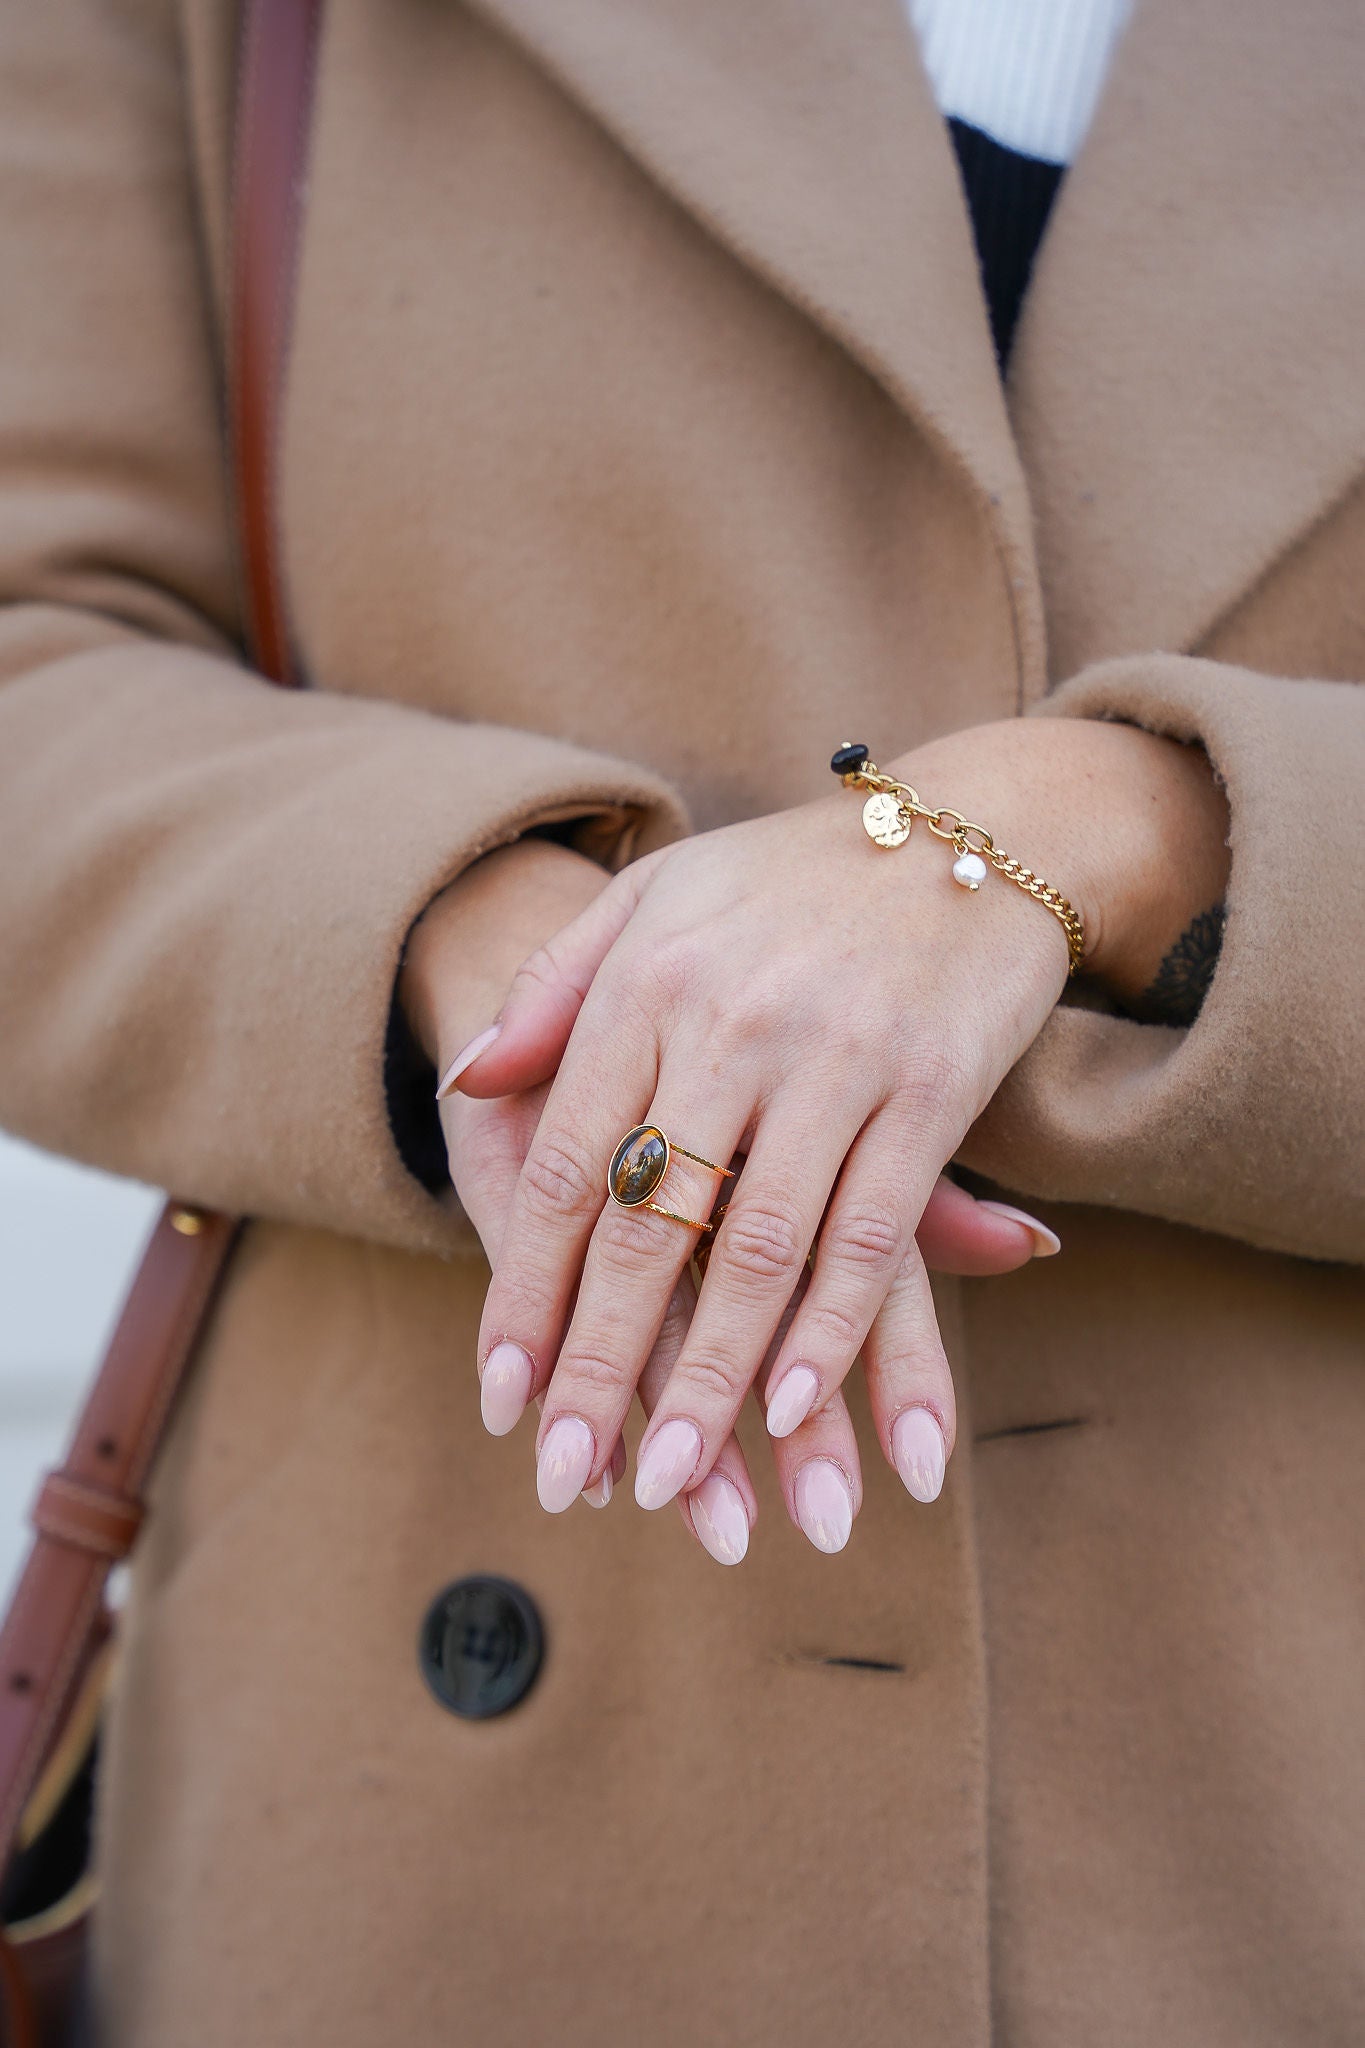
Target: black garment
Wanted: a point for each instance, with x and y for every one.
(410, 1092)
(1010, 197)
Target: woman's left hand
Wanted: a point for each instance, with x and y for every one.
(839, 1014)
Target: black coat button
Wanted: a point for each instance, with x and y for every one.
(481, 1646)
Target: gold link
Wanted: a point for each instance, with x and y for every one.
(959, 833)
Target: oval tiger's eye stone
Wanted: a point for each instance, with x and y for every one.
(637, 1166)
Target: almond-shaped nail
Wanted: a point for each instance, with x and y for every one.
(824, 1505)
(465, 1059)
(1045, 1241)
(598, 1496)
(505, 1388)
(918, 1449)
(667, 1462)
(564, 1463)
(791, 1400)
(719, 1518)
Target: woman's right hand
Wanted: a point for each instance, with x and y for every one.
(460, 961)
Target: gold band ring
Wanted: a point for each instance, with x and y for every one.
(638, 1166)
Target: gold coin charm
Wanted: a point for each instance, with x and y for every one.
(885, 821)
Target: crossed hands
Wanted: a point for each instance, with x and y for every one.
(783, 996)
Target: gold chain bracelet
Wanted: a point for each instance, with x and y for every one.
(889, 815)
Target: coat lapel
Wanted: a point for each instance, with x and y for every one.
(805, 138)
(1188, 385)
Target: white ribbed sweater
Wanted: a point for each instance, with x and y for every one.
(1026, 72)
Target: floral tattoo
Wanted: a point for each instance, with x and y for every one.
(1182, 981)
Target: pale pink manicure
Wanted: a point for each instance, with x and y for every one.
(824, 1505)
(564, 1463)
(719, 1518)
(505, 1388)
(598, 1496)
(472, 1051)
(791, 1401)
(918, 1449)
(1045, 1241)
(667, 1463)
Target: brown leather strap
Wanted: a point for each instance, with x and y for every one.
(274, 104)
(86, 1517)
(87, 1514)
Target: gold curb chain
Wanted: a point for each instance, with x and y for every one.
(891, 810)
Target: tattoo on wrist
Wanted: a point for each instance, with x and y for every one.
(1182, 981)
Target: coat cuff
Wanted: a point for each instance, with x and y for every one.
(1251, 1122)
(231, 872)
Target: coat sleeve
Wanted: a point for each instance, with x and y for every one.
(205, 882)
(1250, 1123)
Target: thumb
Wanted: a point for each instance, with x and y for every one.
(526, 1044)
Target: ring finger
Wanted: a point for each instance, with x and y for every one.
(635, 1256)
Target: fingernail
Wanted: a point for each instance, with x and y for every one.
(667, 1463)
(791, 1401)
(719, 1518)
(1045, 1241)
(824, 1505)
(917, 1447)
(464, 1059)
(598, 1496)
(504, 1388)
(564, 1463)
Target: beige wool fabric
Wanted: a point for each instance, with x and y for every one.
(643, 439)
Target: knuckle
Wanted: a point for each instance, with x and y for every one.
(714, 1382)
(628, 1242)
(837, 1325)
(760, 1018)
(557, 1178)
(589, 1373)
(869, 1238)
(763, 1241)
(540, 970)
(933, 1076)
(663, 975)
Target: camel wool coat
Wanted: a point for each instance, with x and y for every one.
(642, 439)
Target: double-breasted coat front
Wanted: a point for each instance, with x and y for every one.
(641, 439)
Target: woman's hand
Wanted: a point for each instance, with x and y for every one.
(841, 1015)
(459, 962)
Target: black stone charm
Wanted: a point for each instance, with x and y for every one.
(848, 758)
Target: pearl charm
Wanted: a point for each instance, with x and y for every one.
(970, 870)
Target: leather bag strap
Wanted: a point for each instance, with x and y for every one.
(87, 1513)
(274, 110)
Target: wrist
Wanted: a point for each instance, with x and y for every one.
(1130, 827)
(470, 940)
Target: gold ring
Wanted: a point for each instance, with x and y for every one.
(638, 1166)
